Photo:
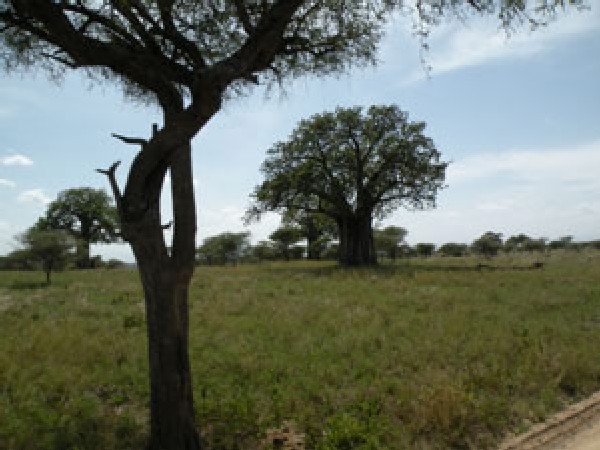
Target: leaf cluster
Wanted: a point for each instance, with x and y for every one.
(85, 212)
(167, 48)
(349, 162)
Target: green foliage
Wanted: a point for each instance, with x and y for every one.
(352, 165)
(424, 249)
(285, 237)
(564, 242)
(453, 249)
(87, 213)
(223, 248)
(52, 249)
(522, 242)
(318, 229)
(264, 251)
(401, 357)
(389, 240)
(488, 244)
(351, 160)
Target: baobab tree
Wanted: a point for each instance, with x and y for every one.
(188, 56)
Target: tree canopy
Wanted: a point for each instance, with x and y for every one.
(352, 165)
(224, 247)
(389, 239)
(488, 244)
(87, 213)
(285, 237)
(51, 248)
(188, 56)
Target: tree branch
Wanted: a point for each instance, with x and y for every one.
(110, 173)
(130, 140)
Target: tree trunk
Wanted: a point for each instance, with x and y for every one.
(312, 236)
(165, 279)
(165, 275)
(172, 419)
(356, 241)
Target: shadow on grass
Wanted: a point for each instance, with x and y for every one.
(28, 285)
(402, 268)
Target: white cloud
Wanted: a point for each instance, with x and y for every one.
(540, 192)
(456, 45)
(7, 183)
(34, 195)
(16, 160)
(577, 165)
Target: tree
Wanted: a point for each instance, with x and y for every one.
(285, 237)
(264, 250)
(352, 165)
(224, 247)
(318, 229)
(488, 244)
(425, 249)
(516, 243)
(563, 242)
(51, 248)
(453, 249)
(188, 56)
(88, 214)
(389, 240)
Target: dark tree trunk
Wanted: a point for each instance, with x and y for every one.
(356, 241)
(166, 275)
(312, 236)
(172, 419)
(165, 279)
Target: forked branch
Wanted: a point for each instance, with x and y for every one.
(110, 173)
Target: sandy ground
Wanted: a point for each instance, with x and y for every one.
(576, 428)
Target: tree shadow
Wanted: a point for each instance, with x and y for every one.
(28, 285)
(405, 268)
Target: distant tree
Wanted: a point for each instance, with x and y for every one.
(453, 249)
(224, 247)
(424, 249)
(488, 244)
(115, 263)
(88, 214)
(19, 259)
(516, 243)
(352, 165)
(535, 245)
(264, 251)
(285, 237)
(51, 248)
(188, 57)
(389, 240)
(564, 242)
(318, 229)
(594, 244)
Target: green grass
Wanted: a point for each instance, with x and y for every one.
(413, 356)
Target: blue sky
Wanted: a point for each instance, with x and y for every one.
(518, 118)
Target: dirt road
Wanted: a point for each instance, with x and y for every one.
(577, 428)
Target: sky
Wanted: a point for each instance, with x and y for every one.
(517, 117)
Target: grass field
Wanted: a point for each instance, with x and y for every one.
(427, 354)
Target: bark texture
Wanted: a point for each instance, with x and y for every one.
(165, 277)
(356, 241)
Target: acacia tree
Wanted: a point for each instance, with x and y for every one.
(51, 248)
(488, 244)
(88, 214)
(389, 240)
(188, 56)
(352, 165)
(318, 229)
(224, 247)
(285, 237)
